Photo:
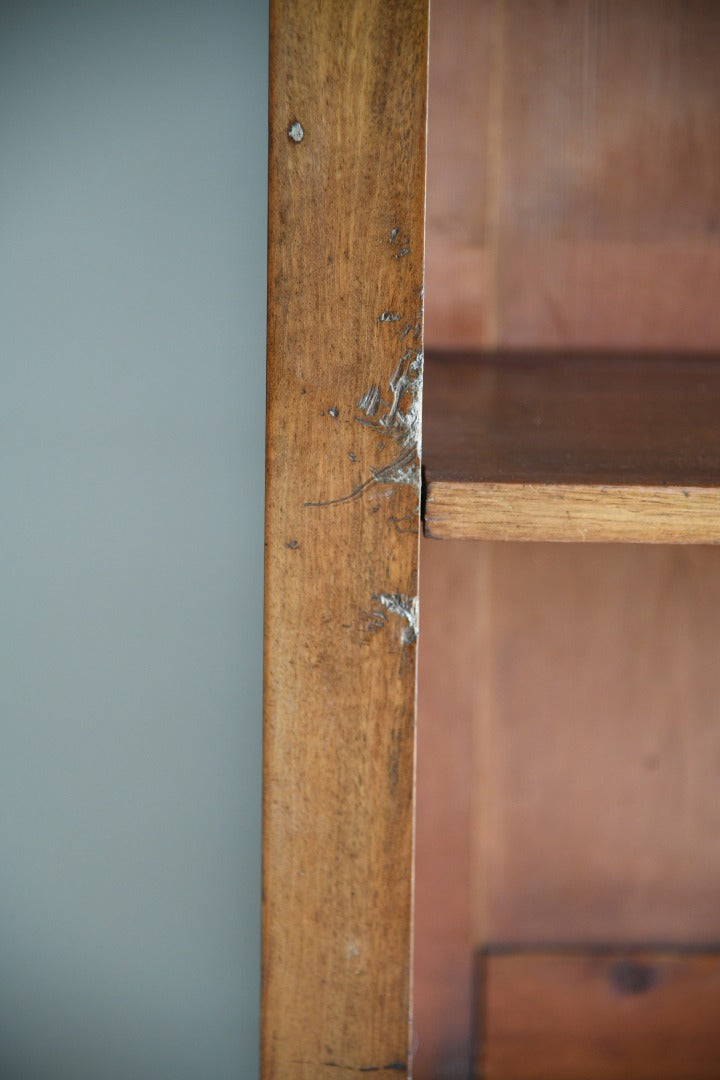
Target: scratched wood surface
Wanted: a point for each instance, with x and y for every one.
(573, 447)
(347, 153)
(599, 1015)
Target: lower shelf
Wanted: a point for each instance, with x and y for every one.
(600, 1014)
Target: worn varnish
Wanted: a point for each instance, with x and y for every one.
(599, 1015)
(347, 124)
(573, 447)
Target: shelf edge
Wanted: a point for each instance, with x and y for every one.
(572, 512)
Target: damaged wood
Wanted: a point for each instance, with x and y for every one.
(400, 417)
(345, 356)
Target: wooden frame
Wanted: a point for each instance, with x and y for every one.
(345, 276)
(613, 446)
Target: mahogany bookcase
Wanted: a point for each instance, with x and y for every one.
(566, 857)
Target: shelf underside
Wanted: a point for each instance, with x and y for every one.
(540, 446)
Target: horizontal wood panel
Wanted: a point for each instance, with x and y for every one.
(576, 447)
(602, 1015)
(561, 512)
(576, 419)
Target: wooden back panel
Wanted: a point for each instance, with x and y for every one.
(574, 174)
(573, 202)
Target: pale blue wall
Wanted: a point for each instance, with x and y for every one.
(132, 293)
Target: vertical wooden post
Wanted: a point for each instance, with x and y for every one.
(346, 238)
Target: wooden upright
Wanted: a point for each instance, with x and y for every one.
(345, 281)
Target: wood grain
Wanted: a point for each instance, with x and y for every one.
(610, 166)
(347, 122)
(449, 695)
(603, 1015)
(460, 183)
(573, 447)
(575, 174)
(597, 751)
(573, 513)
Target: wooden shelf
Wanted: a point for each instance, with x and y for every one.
(540, 446)
(599, 1014)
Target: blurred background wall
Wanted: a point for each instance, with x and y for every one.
(132, 293)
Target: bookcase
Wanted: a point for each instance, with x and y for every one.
(567, 868)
